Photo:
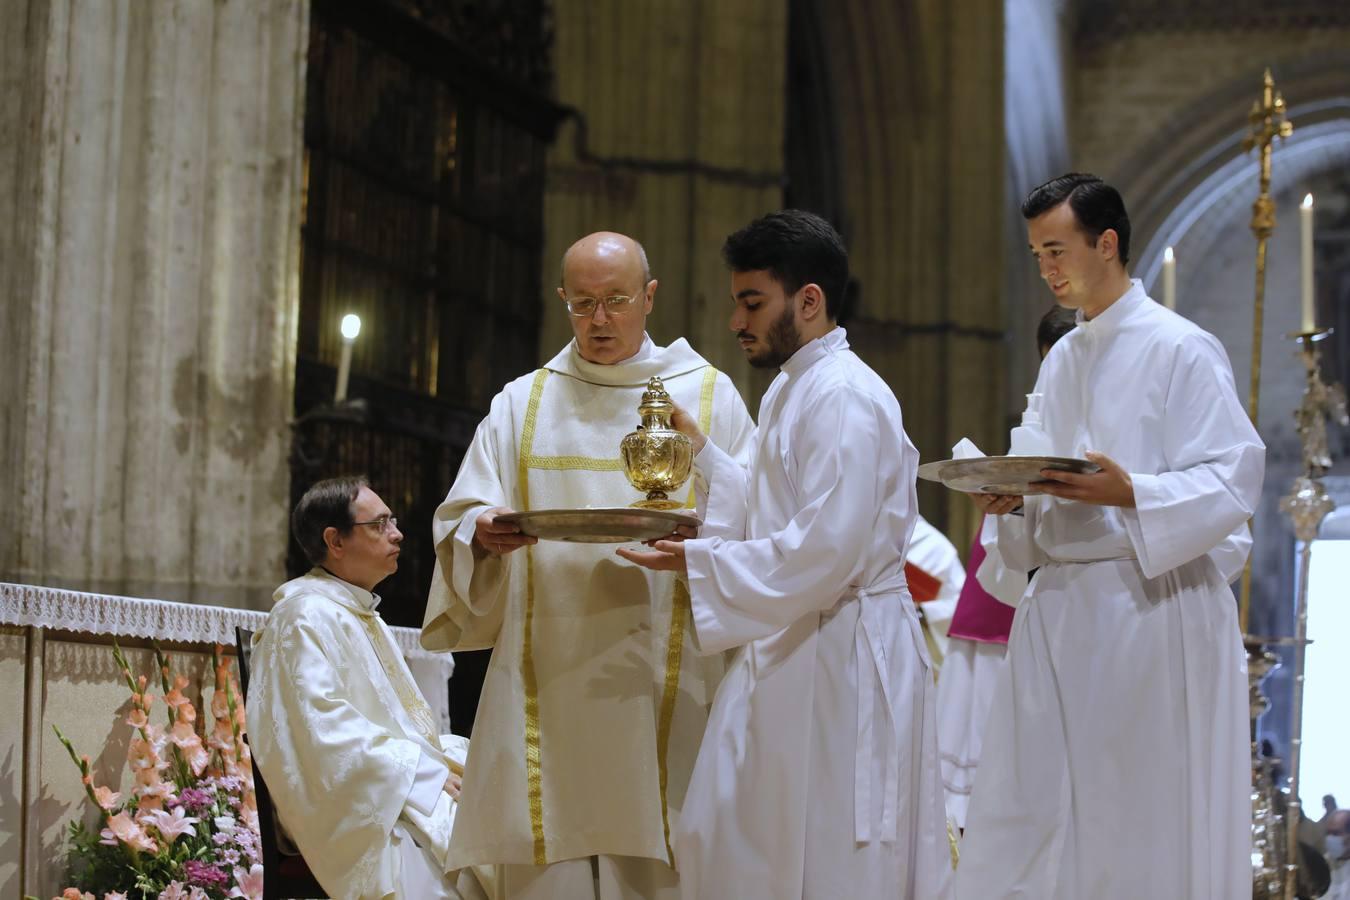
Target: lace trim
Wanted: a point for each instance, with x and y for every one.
(44, 607)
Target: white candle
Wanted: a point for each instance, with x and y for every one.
(351, 327)
(1169, 274)
(1305, 216)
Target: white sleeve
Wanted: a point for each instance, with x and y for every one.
(1215, 466)
(428, 784)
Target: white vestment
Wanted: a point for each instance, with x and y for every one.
(594, 701)
(930, 550)
(818, 775)
(347, 746)
(1116, 761)
(971, 671)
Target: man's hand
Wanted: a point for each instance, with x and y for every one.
(997, 504)
(681, 533)
(492, 538)
(1109, 487)
(687, 425)
(453, 785)
(665, 556)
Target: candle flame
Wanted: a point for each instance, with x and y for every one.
(1168, 255)
(351, 326)
(1307, 202)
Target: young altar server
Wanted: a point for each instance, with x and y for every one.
(818, 775)
(1115, 762)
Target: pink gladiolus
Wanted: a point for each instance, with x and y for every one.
(140, 755)
(137, 718)
(171, 825)
(74, 894)
(250, 817)
(220, 706)
(106, 799)
(249, 884)
(196, 756)
(128, 832)
(183, 735)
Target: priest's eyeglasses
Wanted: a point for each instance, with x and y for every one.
(384, 524)
(615, 305)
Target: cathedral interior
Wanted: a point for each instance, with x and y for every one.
(199, 191)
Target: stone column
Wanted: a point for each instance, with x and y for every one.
(918, 105)
(677, 140)
(151, 155)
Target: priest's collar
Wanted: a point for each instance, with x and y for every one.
(661, 362)
(833, 341)
(1110, 318)
(357, 599)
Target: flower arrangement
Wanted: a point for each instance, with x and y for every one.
(188, 829)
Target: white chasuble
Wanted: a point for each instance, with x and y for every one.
(347, 745)
(818, 776)
(1115, 762)
(594, 700)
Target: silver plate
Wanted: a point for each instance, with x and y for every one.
(613, 525)
(1001, 474)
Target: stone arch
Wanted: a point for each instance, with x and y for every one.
(1195, 159)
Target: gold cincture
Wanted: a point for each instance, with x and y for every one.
(656, 457)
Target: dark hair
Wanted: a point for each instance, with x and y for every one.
(1056, 323)
(328, 504)
(1096, 205)
(796, 248)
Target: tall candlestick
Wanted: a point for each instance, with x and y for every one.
(351, 327)
(1305, 217)
(1169, 274)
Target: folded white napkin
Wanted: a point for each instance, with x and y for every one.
(966, 449)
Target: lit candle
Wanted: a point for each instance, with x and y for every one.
(1305, 216)
(351, 327)
(1169, 279)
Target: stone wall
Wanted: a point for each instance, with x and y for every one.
(150, 155)
(677, 140)
(1125, 89)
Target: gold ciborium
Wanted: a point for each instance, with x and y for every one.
(656, 457)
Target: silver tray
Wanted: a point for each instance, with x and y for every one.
(612, 525)
(1001, 474)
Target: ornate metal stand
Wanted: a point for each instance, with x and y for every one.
(1268, 852)
(1307, 504)
(1268, 122)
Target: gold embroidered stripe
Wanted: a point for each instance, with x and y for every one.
(675, 639)
(679, 613)
(674, 659)
(587, 463)
(533, 775)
